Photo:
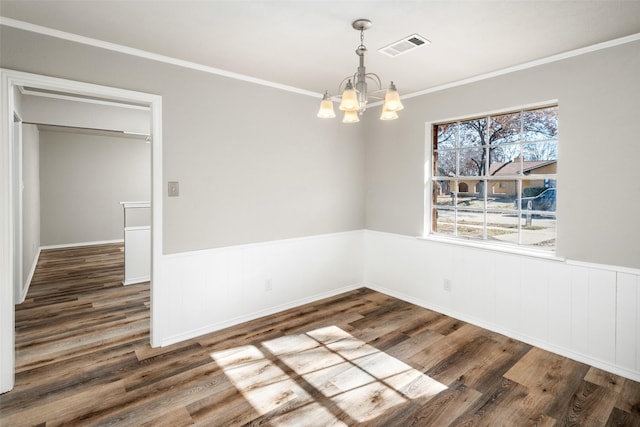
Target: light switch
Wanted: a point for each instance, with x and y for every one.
(174, 189)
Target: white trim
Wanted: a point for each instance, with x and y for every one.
(493, 246)
(10, 79)
(627, 373)
(135, 280)
(428, 178)
(14, 23)
(531, 64)
(149, 55)
(18, 228)
(474, 114)
(27, 282)
(79, 244)
(389, 234)
(157, 224)
(255, 315)
(137, 228)
(7, 332)
(509, 250)
(616, 268)
(81, 99)
(258, 244)
(127, 205)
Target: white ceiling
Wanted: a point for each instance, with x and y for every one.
(310, 44)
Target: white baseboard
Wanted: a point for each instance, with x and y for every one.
(136, 280)
(27, 282)
(79, 244)
(579, 357)
(256, 315)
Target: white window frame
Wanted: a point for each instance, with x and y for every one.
(515, 248)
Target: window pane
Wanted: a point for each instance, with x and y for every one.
(444, 221)
(505, 160)
(444, 194)
(502, 227)
(540, 124)
(539, 230)
(445, 163)
(445, 136)
(502, 194)
(470, 193)
(536, 197)
(540, 151)
(473, 132)
(472, 162)
(505, 129)
(470, 224)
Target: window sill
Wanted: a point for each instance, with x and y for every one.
(493, 247)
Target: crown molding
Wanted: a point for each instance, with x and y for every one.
(9, 22)
(21, 25)
(531, 64)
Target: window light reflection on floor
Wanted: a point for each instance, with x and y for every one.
(361, 380)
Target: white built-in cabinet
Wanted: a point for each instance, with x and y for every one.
(137, 242)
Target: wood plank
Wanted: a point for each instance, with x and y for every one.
(543, 371)
(629, 400)
(591, 405)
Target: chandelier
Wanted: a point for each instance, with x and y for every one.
(355, 94)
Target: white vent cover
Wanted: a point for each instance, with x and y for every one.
(405, 45)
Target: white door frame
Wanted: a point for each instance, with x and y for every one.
(17, 187)
(10, 80)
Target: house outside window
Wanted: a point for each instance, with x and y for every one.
(493, 178)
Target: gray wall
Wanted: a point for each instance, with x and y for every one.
(83, 179)
(599, 148)
(30, 197)
(253, 162)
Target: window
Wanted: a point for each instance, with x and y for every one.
(504, 169)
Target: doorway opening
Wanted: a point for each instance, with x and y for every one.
(10, 190)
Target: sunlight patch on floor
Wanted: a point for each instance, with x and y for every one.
(361, 380)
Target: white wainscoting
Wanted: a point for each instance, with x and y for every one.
(589, 313)
(208, 290)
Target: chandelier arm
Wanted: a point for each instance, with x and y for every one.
(342, 83)
(375, 78)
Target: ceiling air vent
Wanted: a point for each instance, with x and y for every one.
(405, 45)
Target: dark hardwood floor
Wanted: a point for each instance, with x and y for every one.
(360, 358)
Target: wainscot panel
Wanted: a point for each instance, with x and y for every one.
(213, 289)
(589, 313)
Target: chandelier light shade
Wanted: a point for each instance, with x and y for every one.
(349, 98)
(392, 99)
(326, 107)
(355, 94)
(351, 117)
(388, 115)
